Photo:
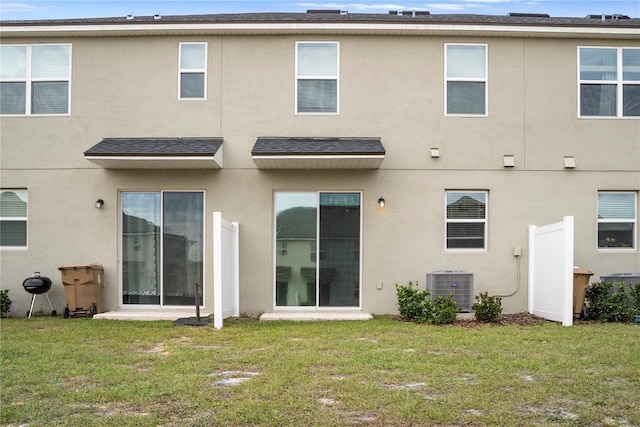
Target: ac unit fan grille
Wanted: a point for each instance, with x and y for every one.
(456, 283)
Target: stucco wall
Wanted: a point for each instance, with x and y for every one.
(390, 87)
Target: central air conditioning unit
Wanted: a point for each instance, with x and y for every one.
(452, 282)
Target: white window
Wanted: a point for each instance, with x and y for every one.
(193, 71)
(609, 82)
(466, 220)
(617, 213)
(466, 79)
(317, 66)
(13, 218)
(35, 79)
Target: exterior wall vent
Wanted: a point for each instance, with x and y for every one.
(528, 15)
(452, 282)
(332, 11)
(603, 17)
(412, 13)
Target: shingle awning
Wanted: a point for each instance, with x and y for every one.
(157, 153)
(318, 153)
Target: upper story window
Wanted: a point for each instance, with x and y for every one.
(193, 71)
(317, 69)
(609, 80)
(617, 213)
(13, 218)
(35, 79)
(466, 79)
(466, 219)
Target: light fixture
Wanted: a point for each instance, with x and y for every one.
(99, 203)
(435, 152)
(381, 202)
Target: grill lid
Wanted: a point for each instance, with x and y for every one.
(37, 284)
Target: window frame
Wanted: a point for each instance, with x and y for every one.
(29, 80)
(202, 71)
(618, 82)
(484, 80)
(633, 221)
(335, 78)
(484, 221)
(24, 219)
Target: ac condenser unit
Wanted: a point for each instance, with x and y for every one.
(452, 282)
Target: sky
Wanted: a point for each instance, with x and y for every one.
(58, 9)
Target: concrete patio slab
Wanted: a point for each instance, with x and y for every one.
(149, 314)
(316, 316)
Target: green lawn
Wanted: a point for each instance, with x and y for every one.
(382, 372)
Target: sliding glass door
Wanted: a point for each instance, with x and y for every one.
(317, 244)
(162, 247)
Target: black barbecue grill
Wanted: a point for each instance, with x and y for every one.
(38, 285)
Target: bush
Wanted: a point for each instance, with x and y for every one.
(412, 302)
(416, 306)
(486, 308)
(634, 292)
(606, 304)
(445, 310)
(5, 303)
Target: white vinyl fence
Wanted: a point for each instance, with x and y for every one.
(226, 273)
(551, 271)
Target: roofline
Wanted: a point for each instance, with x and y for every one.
(418, 28)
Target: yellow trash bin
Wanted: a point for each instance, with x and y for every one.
(580, 284)
(83, 285)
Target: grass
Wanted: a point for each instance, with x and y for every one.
(85, 372)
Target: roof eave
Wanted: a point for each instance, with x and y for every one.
(329, 28)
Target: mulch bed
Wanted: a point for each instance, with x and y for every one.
(522, 319)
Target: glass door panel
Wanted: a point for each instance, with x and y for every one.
(182, 241)
(140, 248)
(296, 225)
(339, 258)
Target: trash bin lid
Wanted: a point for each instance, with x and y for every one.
(79, 266)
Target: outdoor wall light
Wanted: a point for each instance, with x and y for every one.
(381, 202)
(99, 203)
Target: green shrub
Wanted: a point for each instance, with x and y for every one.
(486, 308)
(445, 310)
(412, 303)
(5, 303)
(634, 292)
(607, 304)
(416, 305)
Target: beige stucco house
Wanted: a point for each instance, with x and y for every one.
(470, 128)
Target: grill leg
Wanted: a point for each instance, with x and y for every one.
(50, 306)
(33, 299)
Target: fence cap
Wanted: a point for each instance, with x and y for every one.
(79, 266)
(578, 270)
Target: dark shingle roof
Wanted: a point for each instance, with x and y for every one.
(266, 146)
(155, 147)
(334, 16)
